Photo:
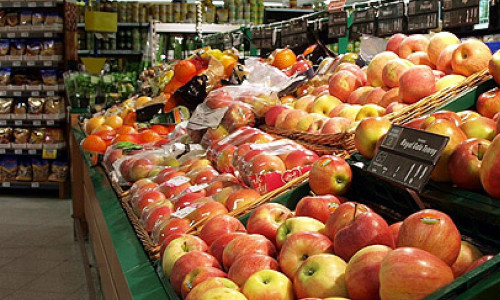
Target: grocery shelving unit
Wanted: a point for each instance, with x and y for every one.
(26, 64)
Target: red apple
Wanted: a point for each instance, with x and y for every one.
(209, 284)
(244, 245)
(264, 163)
(395, 107)
(218, 226)
(197, 276)
(490, 169)
(238, 115)
(217, 247)
(394, 42)
(411, 273)
(273, 113)
(429, 230)
(439, 42)
(300, 158)
(395, 229)
(207, 211)
(241, 199)
(178, 248)
(362, 272)
(368, 133)
(421, 58)
(160, 212)
(494, 66)
(393, 70)
(356, 70)
(479, 262)
(343, 83)
(413, 43)
(357, 97)
(330, 175)
(416, 83)
(470, 57)
(246, 265)
(317, 207)
(343, 216)
(149, 198)
(443, 62)
(468, 255)
(488, 103)
(335, 125)
(267, 218)
(364, 230)
(170, 227)
(219, 99)
(376, 67)
(187, 199)
(299, 246)
(187, 263)
(465, 163)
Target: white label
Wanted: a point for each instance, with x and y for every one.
(2, 151)
(16, 63)
(35, 93)
(37, 123)
(35, 184)
(3, 122)
(182, 213)
(176, 181)
(5, 184)
(31, 4)
(18, 122)
(30, 63)
(16, 4)
(11, 35)
(47, 4)
(3, 93)
(47, 34)
(50, 94)
(25, 34)
(47, 63)
(32, 151)
(50, 122)
(18, 151)
(17, 94)
(196, 188)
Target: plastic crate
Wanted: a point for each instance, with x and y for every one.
(337, 24)
(422, 7)
(390, 26)
(391, 11)
(367, 28)
(422, 22)
(364, 15)
(455, 4)
(461, 17)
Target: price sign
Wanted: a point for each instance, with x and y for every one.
(16, 64)
(47, 34)
(49, 153)
(47, 63)
(37, 123)
(50, 122)
(11, 35)
(3, 122)
(32, 152)
(35, 93)
(30, 63)
(3, 93)
(17, 94)
(31, 4)
(50, 93)
(35, 184)
(5, 184)
(25, 34)
(18, 122)
(18, 151)
(2, 151)
(16, 4)
(47, 4)
(408, 156)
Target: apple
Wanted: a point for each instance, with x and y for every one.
(305, 123)
(149, 198)
(219, 99)
(413, 43)
(172, 188)
(375, 96)
(488, 103)
(439, 42)
(188, 199)
(217, 247)
(264, 163)
(368, 133)
(481, 128)
(303, 102)
(364, 230)
(416, 83)
(479, 262)
(157, 213)
(443, 62)
(241, 199)
(294, 225)
(299, 246)
(142, 168)
(429, 230)
(370, 111)
(395, 229)
(356, 70)
(292, 119)
(420, 58)
(218, 226)
(212, 283)
(238, 115)
(468, 255)
(362, 272)
(470, 57)
(247, 265)
(197, 276)
(323, 105)
(268, 284)
(207, 211)
(395, 107)
(187, 263)
(222, 293)
(342, 216)
(358, 96)
(449, 81)
(490, 169)
(280, 119)
(466, 115)
(214, 135)
(411, 273)
(335, 125)
(394, 42)
(442, 114)
(376, 67)
(438, 74)
(350, 112)
(178, 248)
(494, 66)
(267, 218)
(171, 226)
(300, 158)
(321, 276)
(319, 90)
(317, 207)
(389, 97)
(393, 70)
(330, 175)
(342, 84)
(317, 125)
(205, 176)
(245, 245)
(445, 127)
(273, 113)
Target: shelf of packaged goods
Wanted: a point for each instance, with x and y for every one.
(26, 93)
(29, 4)
(31, 184)
(127, 24)
(25, 152)
(30, 63)
(31, 123)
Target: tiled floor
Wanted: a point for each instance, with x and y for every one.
(39, 258)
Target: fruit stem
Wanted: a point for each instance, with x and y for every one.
(355, 209)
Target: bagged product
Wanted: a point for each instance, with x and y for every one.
(17, 47)
(35, 105)
(6, 105)
(24, 171)
(9, 168)
(49, 77)
(12, 19)
(4, 47)
(5, 135)
(59, 171)
(21, 135)
(4, 76)
(20, 108)
(3, 18)
(33, 48)
(25, 17)
(47, 48)
(53, 136)
(37, 136)
(54, 105)
(37, 18)
(41, 169)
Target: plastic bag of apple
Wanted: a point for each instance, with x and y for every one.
(328, 247)
(259, 160)
(412, 68)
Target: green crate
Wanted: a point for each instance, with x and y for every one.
(467, 100)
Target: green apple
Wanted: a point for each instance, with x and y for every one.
(179, 247)
(268, 284)
(297, 224)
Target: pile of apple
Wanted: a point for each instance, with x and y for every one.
(324, 249)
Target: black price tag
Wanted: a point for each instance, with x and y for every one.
(408, 156)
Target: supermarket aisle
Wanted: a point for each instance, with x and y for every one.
(38, 257)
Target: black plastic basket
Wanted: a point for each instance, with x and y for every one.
(456, 4)
(461, 17)
(418, 7)
(422, 22)
(337, 24)
(391, 19)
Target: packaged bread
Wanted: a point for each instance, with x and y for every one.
(35, 105)
(24, 171)
(5, 135)
(25, 17)
(41, 169)
(37, 18)
(6, 105)
(3, 18)
(37, 136)
(54, 105)
(4, 76)
(19, 79)
(9, 168)
(47, 48)
(17, 47)
(53, 18)
(59, 171)
(53, 136)
(49, 77)
(21, 135)
(20, 108)
(34, 48)
(4, 47)
(12, 19)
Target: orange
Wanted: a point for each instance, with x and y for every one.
(172, 86)
(126, 129)
(160, 129)
(171, 103)
(114, 121)
(130, 118)
(106, 135)
(94, 143)
(150, 136)
(284, 59)
(102, 128)
(184, 71)
(134, 138)
(228, 62)
(93, 123)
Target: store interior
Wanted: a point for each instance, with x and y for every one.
(249, 149)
